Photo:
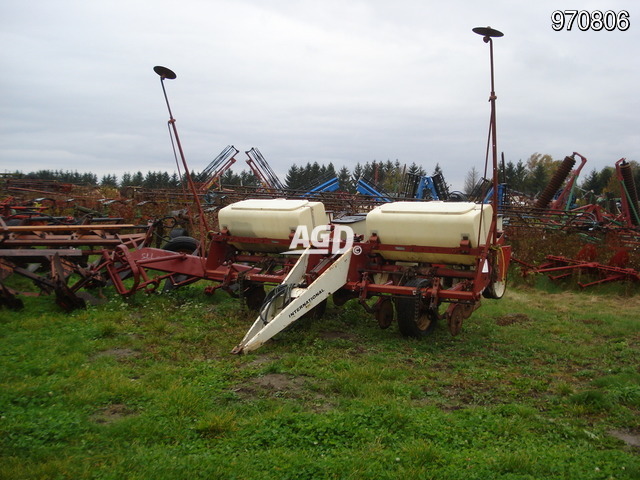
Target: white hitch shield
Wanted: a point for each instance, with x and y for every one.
(279, 313)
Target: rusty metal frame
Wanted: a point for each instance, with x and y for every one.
(60, 250)
(567, 266)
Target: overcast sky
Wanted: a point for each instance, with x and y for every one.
(307, 80)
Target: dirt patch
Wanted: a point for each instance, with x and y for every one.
(284, 386)
(512, 318)
(630, 438)
(118, 353)
(260, 361)
(336, 335)
(272, 384)
(278, 382)
(111, 413)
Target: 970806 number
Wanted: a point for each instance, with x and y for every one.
(595, 20)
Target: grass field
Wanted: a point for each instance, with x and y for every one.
(541, 384)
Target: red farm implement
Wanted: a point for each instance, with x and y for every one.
(599, 242)
(420, 261)
(461, 258)
(47, 255)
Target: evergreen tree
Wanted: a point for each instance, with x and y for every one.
(415, 170)
(109, 181)
(248, 179)
(92, 179)
(392, 176)
(520, 176)
(126, 179)
(165, 180)
(175, 181)
(229, 178)
(314, 175)
(357, 173)
(509, 173)
(536, 180)
(137, 179)
(305, 176)
(368, 170)
(515, 175)
(292, 178)
(150, 180)
(344, 180)
(592, 182)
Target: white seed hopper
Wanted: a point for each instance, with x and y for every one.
(270, 218)
(429, 224)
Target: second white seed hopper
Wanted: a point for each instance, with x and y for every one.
(429, 224)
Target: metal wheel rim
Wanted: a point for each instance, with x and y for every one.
(423, 320)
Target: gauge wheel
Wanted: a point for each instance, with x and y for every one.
(384, 313)
(414, 319)
(497, 286)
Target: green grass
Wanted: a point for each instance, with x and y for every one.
(536, 386)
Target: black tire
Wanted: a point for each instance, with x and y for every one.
(415, 320)
(178, 232)
(254, 296)
(179, 245)
(342, 296)
(316, 312)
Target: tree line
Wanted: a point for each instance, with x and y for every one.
(528, 177)
(386, 176)
(151, 179)
(383, 174)
(533, 175)
(63, 176)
